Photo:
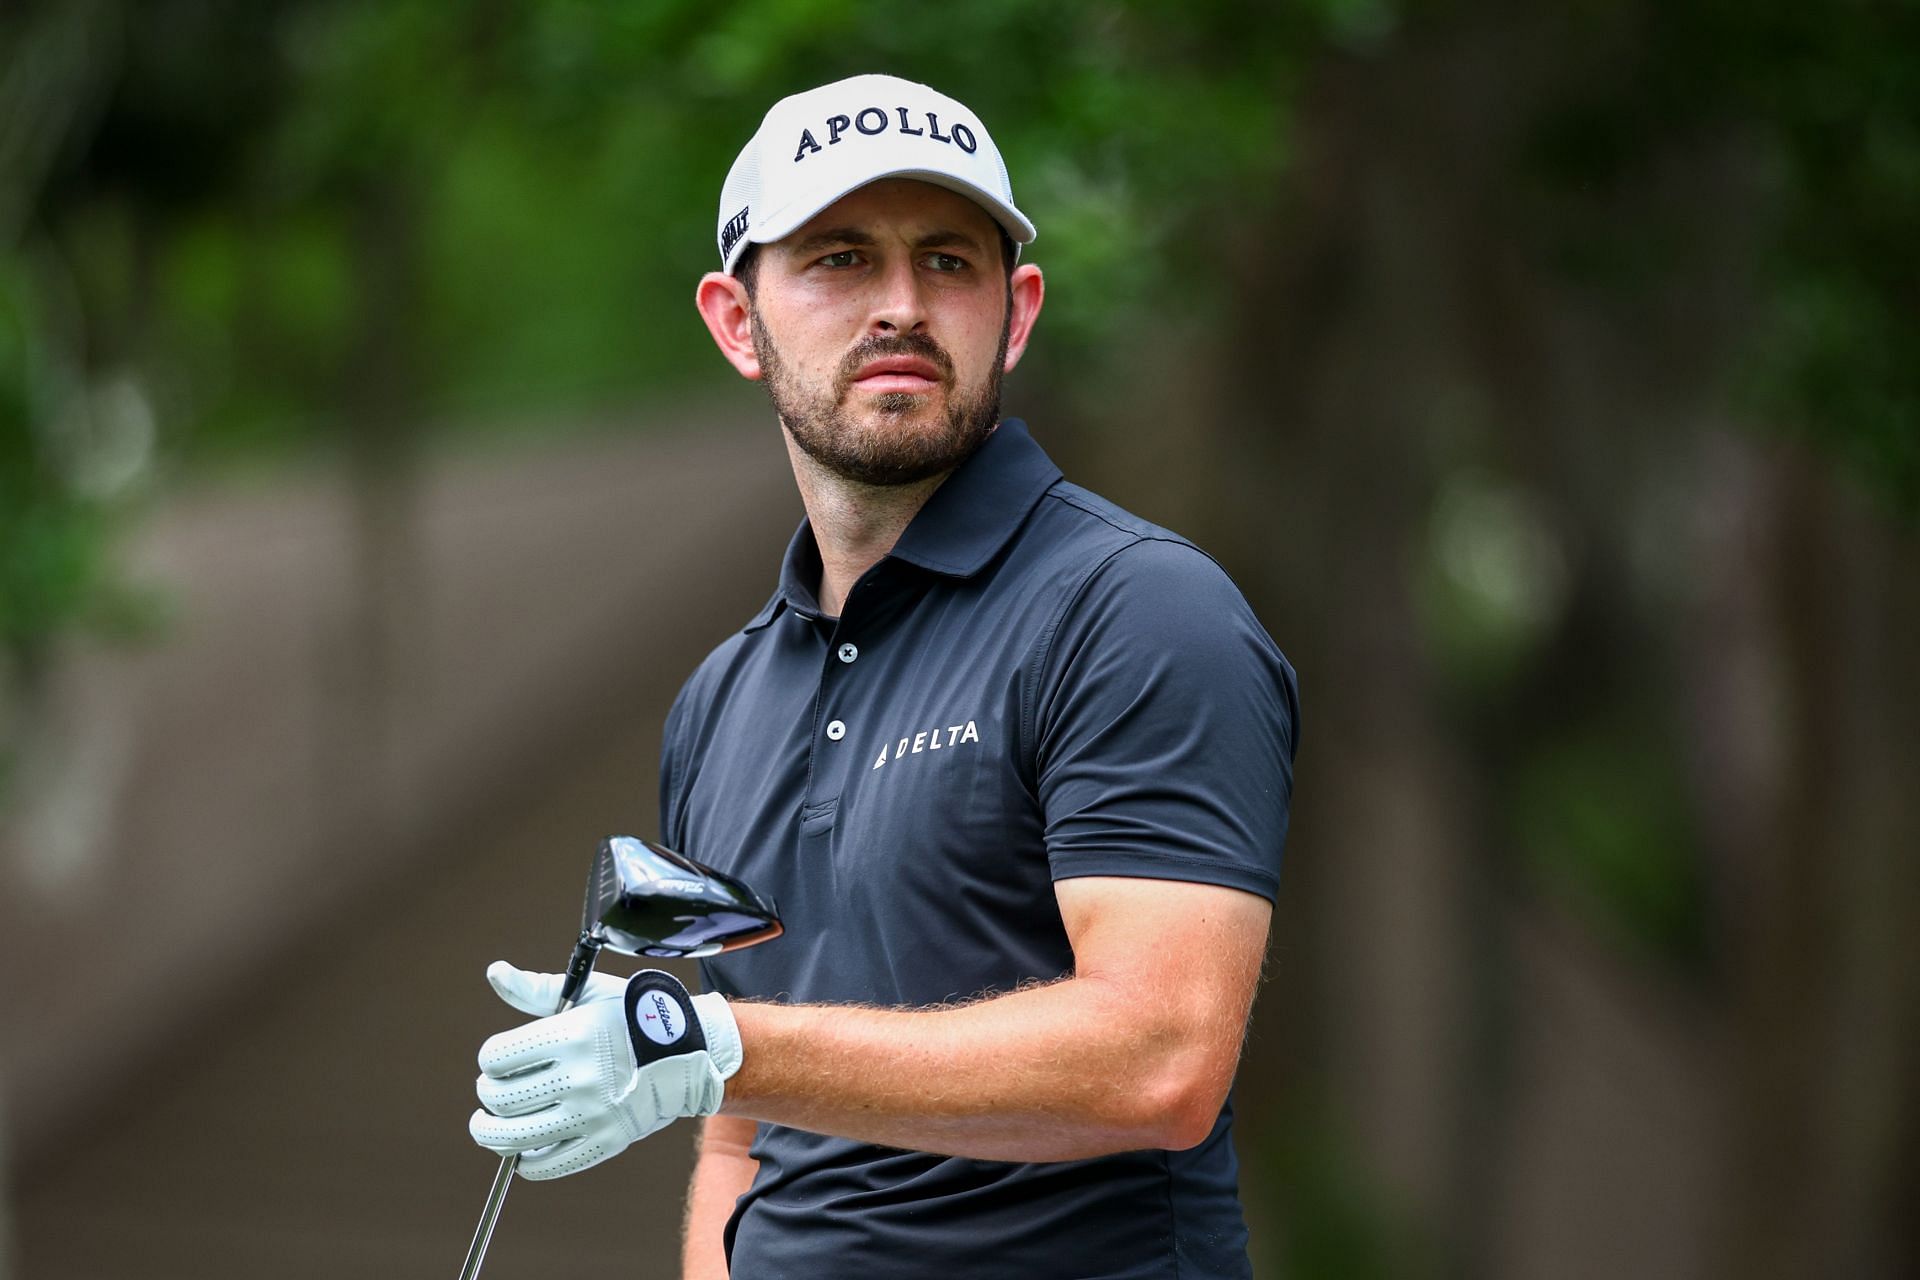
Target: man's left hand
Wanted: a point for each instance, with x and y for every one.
(579, 1087)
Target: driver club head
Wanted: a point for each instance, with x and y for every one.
(643, 899)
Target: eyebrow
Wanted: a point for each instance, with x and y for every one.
(827, 239)
(957, 239)
(854, 236)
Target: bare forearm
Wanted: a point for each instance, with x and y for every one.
(1079, 1068)
(722, 1172)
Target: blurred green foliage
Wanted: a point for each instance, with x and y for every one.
(1819, 108)
(550, 172)
(1594, 805)
(64, 461)
(1602, 817)
(1342, 1223)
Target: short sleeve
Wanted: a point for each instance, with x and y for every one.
(1165, 727)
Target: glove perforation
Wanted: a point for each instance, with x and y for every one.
(576, 1088)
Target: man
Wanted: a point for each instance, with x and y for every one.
(1015, 764)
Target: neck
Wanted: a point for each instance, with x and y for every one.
(854, 524)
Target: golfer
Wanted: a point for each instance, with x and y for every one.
(1015, 764)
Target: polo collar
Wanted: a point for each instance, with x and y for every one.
(799, 579)
(977, 511)
(963, 526)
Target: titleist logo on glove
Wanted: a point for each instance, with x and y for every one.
(658, 1018)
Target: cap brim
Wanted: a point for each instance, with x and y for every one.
(782, 223)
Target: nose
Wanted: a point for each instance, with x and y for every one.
(899, 306)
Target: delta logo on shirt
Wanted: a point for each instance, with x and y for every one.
(924, 740)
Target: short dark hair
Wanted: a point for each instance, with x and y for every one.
(747, 270)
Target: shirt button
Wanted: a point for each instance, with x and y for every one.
(837, 730)
(848, 653)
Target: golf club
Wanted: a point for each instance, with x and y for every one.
(643, 899)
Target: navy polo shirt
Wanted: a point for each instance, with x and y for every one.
(1033, 685)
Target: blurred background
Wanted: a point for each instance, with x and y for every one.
(1545, 373)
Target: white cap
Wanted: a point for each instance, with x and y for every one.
(817, 146)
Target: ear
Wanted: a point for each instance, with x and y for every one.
(723, 304)
(1028, 291)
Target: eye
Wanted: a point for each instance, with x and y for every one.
(844, 258)
(946, 262)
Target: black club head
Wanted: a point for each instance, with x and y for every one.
(643, 899)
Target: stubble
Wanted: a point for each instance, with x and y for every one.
(888, 450)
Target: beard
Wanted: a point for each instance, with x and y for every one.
(891, 450)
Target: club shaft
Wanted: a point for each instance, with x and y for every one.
(579, 965)
(483, 1234)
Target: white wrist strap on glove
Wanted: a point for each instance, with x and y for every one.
(579, 1087)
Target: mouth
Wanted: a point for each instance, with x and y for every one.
(892, 375)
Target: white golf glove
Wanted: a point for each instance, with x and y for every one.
(579, 1087)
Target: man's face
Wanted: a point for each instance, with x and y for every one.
(881, 330)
